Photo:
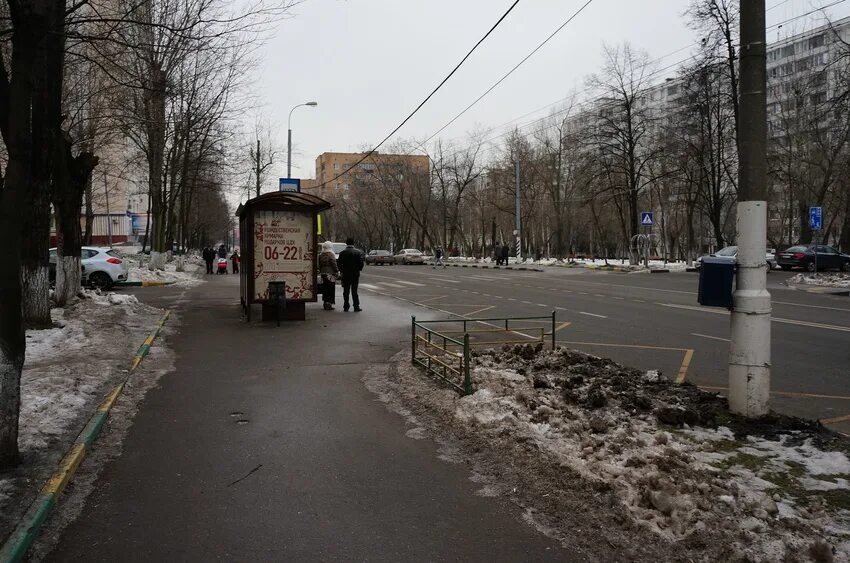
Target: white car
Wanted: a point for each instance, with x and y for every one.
(104, 267)
(409, 256)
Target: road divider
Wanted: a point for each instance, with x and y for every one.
(28, 527)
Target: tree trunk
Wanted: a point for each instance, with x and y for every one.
(89, 213)
(155, 108)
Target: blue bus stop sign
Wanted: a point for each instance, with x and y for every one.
(816, 218)
(290, 184)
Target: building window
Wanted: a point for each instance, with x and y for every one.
(817, 41)
(787, 51)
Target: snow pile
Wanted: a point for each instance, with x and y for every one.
(677, 463)
(824, 279)
(193, 267)
(68, 370)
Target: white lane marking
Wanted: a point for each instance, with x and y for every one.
(710, 337)
(528, 302)
(486, 278)
(599, 295)
(388, 284)
(444, 280)
(774, 319)
(592, 315)
(411, 283)
(811, 306)
(510, 299)
(638, 300)
(369, 286)
(542, 305)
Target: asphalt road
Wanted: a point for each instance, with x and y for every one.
(651, 321)
(264, 445)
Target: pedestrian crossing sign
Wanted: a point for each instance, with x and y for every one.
(646, 218)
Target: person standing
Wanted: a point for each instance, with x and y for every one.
(328, 272)
(350, 264)
(506, 253)
(438, 258)
(222, 252)
(208, 255)
(234, 261)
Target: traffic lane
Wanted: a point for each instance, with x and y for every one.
(318, 469)
(649, 342)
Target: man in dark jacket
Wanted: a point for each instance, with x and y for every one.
(350, 263)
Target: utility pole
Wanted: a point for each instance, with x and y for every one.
(518, 213)
(749, 354)
(257, 162)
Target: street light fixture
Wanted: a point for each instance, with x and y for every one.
(289, 137)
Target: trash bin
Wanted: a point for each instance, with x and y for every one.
(715, 282)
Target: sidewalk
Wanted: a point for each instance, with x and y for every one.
(265, 445)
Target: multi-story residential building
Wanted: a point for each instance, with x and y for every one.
(335, 176)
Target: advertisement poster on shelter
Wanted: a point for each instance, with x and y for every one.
(283, 251)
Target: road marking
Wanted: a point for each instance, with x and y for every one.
(639, 301)
(792, 394)
(369, 286)
(443, 280)
(774, 319)
(711, 337)
(528, 302)
(431, 298)
(542, 305)
(411, 283)
(592, 315)
(388, 284)
(811, 306)
(510, 299)
(563, 325)
(481, 310)
(619, 298)
(683, 369)
(599, 295)
(583, 293)
(835, 419)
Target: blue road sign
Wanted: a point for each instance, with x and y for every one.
(290, 185)
(816, 218)
(646, 218)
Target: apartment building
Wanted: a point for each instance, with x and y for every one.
(337, 173)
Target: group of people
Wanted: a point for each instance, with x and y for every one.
(211, 255)
(346, 269)
(502, 255)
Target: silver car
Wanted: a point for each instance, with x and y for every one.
(104, 267)
(730, 254)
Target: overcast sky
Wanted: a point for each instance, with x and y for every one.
(368, 63)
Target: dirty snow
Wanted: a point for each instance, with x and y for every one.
(736, 491)
(824, 279)
(193, 267)
(68, 370)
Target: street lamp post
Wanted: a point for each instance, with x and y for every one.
(289, 137)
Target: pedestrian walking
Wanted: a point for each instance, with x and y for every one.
(438, 258)
(350, 264)
(209, 255)
(234, 261)
(328, 272)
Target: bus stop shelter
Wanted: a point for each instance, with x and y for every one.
(279, 240)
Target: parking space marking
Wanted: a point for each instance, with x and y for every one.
(710, 337)
(592, 314)
(683, 369)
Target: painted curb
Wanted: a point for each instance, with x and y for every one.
(151, 283)
(30, 524)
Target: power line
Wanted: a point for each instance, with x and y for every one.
(511, 71)
(588, 90)
(434, 91)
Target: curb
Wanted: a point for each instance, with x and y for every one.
(659, 271)
(822, 290)
(30, 524)
(151, 283)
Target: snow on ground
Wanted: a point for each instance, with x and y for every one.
(68, 370)
(193, 267)
(585, 263)
(825, 279)
(679, 467)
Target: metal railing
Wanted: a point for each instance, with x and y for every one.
(445, 354)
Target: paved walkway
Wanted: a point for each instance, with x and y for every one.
(338, 480)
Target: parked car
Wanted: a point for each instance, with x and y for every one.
(338, 247)
(379, 257)
(51, 269)
(409, 256)
(103, 267)
(803, 256)
(730, 254)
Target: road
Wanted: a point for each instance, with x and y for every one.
(651, 321)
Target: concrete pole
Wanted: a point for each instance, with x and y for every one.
(518, 213)
(749, 355)
(289, 152)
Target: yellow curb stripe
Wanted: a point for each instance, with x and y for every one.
(686, 362)
(835, 419)
(136, 361)
(66, 470)
(110, 399)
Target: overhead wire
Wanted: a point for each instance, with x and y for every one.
(423, 102)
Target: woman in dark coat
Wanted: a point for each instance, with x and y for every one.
(328, 272)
